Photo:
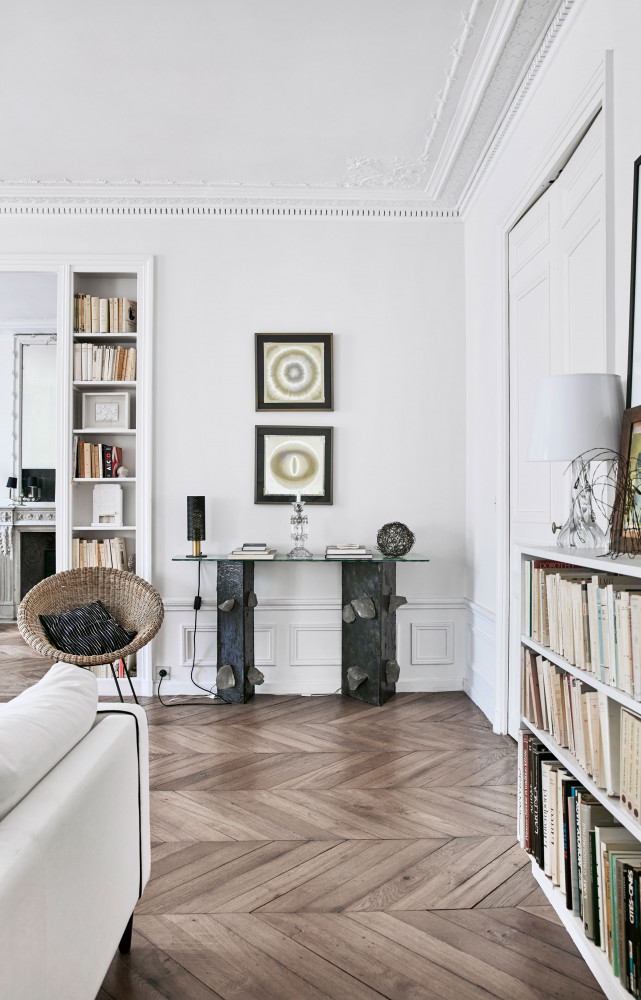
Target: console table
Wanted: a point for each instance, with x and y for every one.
(368, 670)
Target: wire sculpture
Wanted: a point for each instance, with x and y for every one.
(607, 489)
(394, 539)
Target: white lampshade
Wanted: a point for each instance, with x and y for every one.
(575, 413)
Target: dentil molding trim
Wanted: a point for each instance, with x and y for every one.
(372, 188)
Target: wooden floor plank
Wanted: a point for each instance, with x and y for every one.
(324, 849)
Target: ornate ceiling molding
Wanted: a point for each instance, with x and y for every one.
(403, 175)
(171, 199)
(511, 80)
(372, 188)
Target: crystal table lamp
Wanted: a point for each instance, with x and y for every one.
(574, 414)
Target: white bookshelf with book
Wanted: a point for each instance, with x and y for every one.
(579, 807)
(107, 366)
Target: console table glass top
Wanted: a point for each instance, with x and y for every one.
(410, 557)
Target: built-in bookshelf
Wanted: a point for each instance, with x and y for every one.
(107, 363)
(580, 750)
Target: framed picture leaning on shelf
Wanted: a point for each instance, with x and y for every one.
(292, 460)
(105, 410)
(626, 516)
(294, 371)
(634, 351)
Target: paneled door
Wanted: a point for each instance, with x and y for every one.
(557, 321)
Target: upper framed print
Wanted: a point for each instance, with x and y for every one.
(626, 515)
(292, 460)
(634, 343)
(294, 371)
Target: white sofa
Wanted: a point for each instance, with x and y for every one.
(75, 846)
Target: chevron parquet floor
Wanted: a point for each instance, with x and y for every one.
(319, 849)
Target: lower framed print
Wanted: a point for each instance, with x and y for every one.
(292, 460)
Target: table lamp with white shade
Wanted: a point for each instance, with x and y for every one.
(575, 414)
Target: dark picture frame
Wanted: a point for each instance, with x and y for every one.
(294, 371)
(633, 394)
(626, 516)
(291, 459)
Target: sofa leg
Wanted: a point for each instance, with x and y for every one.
(125, 941)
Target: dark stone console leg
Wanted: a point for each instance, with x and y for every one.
(369, 643)
(235, 642)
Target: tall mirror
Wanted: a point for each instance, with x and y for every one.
(28, 382)
(35, 431)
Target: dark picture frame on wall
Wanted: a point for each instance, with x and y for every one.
(294, 371)
(633, 397)
(291, 460)
(626, 515)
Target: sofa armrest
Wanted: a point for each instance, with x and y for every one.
(104, 710)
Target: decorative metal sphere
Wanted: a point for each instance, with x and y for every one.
(394, 539)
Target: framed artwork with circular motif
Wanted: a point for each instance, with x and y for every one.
(294, 371)
(291, 460)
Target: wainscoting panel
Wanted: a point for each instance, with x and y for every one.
(298, 645)
(480, 675)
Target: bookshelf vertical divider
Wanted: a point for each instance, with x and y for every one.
(594, 956)
(117, 413)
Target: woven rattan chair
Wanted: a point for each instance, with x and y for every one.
(133, 602)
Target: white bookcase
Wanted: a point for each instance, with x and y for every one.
(108, 277)
(593, 955)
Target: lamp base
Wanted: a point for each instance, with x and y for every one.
(581, 530)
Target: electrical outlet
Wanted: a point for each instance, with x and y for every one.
(164, 673)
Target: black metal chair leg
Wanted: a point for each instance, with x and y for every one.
(124, 666)
(116, 680)
(125, 941)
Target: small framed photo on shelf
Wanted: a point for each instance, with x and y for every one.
(291, 460)
(105, 410)
(294, 371)
(626, 514)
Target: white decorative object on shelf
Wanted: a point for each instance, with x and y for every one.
(107, 507)
(105, 410)
(123, 471)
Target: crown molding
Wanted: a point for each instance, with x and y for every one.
(173, 198)
(487, 131)
(404, 175)
(501, 24)
(371, 188)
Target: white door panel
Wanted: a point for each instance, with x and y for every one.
(557, 324)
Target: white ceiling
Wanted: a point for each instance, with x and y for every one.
(330, 95)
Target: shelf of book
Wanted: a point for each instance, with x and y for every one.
(588, 611)
(112, 337)
(585, 675)
(624, 565)
(595, 959)
(115, 432)
(117, 479)
(104, 527)
(100, 384)
(569, 761)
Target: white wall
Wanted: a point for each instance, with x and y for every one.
(569, 85)
(393, 296)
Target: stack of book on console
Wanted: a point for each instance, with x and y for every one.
(347, 552)
(253, 550)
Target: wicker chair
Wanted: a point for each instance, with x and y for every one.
(133, 602)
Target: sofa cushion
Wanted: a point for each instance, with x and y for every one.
(86, 631)
(40, 726)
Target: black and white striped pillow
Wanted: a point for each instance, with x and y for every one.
(86, 631)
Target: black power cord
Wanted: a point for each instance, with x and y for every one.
(163, 673)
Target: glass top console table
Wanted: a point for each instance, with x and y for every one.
(369, 670)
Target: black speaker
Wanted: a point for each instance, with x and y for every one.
(196, 523)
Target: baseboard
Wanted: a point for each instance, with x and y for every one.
(480, 669)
